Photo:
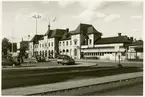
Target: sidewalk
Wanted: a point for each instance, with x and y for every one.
(68, 84)
(91, 60)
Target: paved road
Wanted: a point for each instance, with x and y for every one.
(53, 64)
(27, 77)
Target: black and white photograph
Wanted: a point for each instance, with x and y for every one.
(72, 48)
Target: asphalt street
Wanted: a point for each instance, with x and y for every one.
(27, 77)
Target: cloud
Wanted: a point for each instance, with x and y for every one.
(111, 17)
(20, 17)
(90, 4)
(136, 30)
(25, 17)
(137, 3)
(90, 10)
(137, 17)
(45, 2)
(65, 3)
(100, 15)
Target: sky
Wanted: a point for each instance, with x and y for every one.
(108, 17)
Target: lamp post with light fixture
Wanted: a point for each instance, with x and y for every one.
(36, 17)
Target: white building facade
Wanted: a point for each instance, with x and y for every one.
(83, 42)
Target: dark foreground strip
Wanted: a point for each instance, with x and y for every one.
(22, 81)
(101, 89)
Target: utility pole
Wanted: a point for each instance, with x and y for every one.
(12, 41)
(28, 46)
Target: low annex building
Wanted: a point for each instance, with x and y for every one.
(83, 42)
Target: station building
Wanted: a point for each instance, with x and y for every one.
(83, 42)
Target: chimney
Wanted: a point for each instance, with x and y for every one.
(119, 34)
(67, 29)
(131, 38)
(22, 39)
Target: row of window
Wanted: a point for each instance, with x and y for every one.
(101, 53)
(44, 53)
(44, 45)
(67, 50)
(63, 43)
(97, 53)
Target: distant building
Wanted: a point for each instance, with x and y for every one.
(135, 50)
(13, 47)
(83, 42)
(33, 45)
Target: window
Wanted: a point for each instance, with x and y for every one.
(40, 45)
(63, 43)
(52, 43)
(70, 42)
(90, 41)
(63, 51)
(75, 52)
(67, 50)
(45, 45)
(67, 43)
(75, 42)
(60, 43)
(45, 53)
(49, 44)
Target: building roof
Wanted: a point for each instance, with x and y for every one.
(55, 33)
(85, 28)
(58, 33)
(117, 39)
(48, 33)
(136, 43)
(36, 38)
(66, 36)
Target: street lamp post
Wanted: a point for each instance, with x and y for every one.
(28, 46)
(119, 65)
(36, 17)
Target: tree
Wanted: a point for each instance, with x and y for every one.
(5, 46)
(23, 50)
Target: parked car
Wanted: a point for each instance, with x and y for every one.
(40, 59)
(9, 61)
(65, 60)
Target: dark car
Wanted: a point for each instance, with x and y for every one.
(65, 60)
(9, 61)
(40, 59)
